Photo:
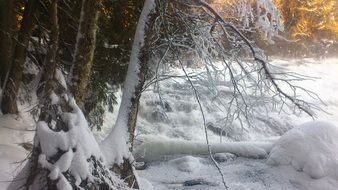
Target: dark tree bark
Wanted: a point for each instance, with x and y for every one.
(84, 49)
(48, 111)
(53, 46)
(9, 104)
(7, 31)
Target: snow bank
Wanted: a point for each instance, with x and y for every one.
(311, 148)
(15, 132)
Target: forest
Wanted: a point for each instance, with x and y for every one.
(168, 94)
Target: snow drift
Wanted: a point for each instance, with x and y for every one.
(311, 148)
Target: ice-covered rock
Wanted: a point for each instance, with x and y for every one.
(311, 148)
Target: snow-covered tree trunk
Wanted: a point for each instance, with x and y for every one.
(84, 49)
(19, 57)
(118, 145)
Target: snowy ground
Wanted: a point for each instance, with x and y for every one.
(14, 131)
(182, 127)
(240, 174)
(181, 131)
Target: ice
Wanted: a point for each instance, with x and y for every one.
(311, 148)
(156, 148)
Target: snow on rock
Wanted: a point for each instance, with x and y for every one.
(311, 148)
(186, 163)
(224, 157)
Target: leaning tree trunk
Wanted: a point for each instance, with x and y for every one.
(117, 147)
(7, 31)
(10, 93)
(84, 49)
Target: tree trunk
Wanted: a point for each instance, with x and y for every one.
(123, 133)
(49, 84)
(126, 170)
(9, 104)
(7, 31)
(84, 49)
(53, 45)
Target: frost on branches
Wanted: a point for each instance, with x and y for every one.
(252, 15)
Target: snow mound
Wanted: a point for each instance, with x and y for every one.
(224, 157)
(311, 148)
(145, 184)
(187, 163)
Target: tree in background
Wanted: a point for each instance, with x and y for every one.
(84, 49)
(252, 16)
(7, 31)
(312, 25)
(9, 99)
(117, 25)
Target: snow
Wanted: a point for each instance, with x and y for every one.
(166, 144)
(241, 173)
(78, 143)
(181, 134)
(311, 148)
(54, 98)
(186, 163)
(224, 157)
(145, 184)
(60, 78)
(51, 141)
(14, 130)
(116, 146)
